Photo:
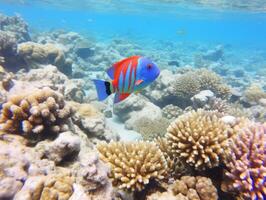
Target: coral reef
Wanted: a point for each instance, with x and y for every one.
(245, 173)
(191, 83)
(134, 108)
(35, 54)
(33, 114)
(199, 138)
(46, 187)
(15, 26)
(171, 111)
(133, 164)
(188, 188)
(253, 94)
(176, 167)
(50, 76)
(151, 129)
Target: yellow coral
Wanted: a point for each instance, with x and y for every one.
(84, 110)
(200, 138)
(133, 164)
(33, 113)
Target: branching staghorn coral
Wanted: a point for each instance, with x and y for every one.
(199, 138)
(246, 167)
(150, 129)
(191, 83)
(133, 164)
(34, 113)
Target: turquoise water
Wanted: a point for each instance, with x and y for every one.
(241, 28)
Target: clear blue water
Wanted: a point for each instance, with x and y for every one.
(240, 28)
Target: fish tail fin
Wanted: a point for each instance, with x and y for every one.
(104, 89)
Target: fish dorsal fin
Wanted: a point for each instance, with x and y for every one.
(111, 70)
(120, 97)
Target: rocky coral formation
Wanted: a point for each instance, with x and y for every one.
(151, 129)
(253, 94)
(133, 164)
(15, 26)
(161, 91)
(188, 188)
(171, 111)
(51, 187)
(66, 145)
(50, 76)
(35, 54)
(199, 138)
(191, 83)
(134, 108)
(35, 113)
(245, 173)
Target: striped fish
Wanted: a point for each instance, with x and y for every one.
(128, 76)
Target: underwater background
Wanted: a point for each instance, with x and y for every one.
(198, 132)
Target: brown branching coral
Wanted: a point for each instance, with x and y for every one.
(246, 167)
(191, 83)
(150, 129)
(133, 164)
(34, 113)
(200, 138)
(176, 167)
(254, 93)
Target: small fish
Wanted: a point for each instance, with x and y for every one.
(128, 76)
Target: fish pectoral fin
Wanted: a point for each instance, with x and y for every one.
(120, 97)
(138, 82)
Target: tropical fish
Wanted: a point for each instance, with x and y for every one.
(128, 76)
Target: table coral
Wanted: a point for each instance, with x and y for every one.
(133, 164)
(200, 138)
(246, 166)
(35, 113)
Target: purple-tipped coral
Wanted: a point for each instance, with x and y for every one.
(246, 173)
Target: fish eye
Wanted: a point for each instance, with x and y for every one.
(149, 66)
